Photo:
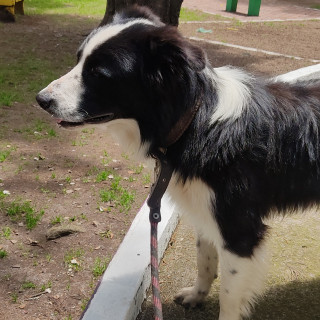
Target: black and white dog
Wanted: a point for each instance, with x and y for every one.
(252, 147)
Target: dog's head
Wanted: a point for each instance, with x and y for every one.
(134, 68)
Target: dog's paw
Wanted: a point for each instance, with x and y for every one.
(190, 297)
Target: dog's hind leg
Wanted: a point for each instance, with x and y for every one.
(242, 280)
(207, 260)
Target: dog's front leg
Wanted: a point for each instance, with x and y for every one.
(207, 260)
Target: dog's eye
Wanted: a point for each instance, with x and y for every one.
(101, 72)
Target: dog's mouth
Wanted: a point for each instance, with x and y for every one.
(94, 120)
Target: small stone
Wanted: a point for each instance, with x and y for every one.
(22, 306)
(48, 290)
(110, 176)
(61, 231)
(7, 192)
(14, 241)
(95, 223)
(20, 224)
(68, 191)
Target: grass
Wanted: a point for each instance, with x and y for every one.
(103, 175)
(197, 15)
(72, 258)
(28, 285)
(23, 76)
(39, 129)
(4, 155)
(73, 7)
(14, 297)
(56, 220)
(6, 232)
(18, 211)
(100, 266)
(118, 195)
(3, 253)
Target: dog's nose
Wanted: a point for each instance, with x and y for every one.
(45, 100)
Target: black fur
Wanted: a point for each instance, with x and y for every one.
(266, 159)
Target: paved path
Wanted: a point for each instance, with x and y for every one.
(270, 10)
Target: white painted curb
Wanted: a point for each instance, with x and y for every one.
(307, 73)
(124, 284)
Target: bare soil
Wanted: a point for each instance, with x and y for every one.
(58, 173)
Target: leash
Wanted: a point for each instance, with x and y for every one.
(163, 173)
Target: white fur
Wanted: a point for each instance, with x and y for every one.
(242, 280)
(67, 91)
(107, 32)
(195, 200)
(232, 91)
(207, 261)
(127, 133)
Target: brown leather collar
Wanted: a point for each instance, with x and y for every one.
(182, 125)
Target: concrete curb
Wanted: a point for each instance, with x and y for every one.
(236, 46)
(123, 286)
(307, 73)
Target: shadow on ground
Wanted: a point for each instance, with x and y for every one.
(294, 301)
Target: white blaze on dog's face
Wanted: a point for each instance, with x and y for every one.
(64, 97)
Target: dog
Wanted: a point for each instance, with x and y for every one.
(246, 146)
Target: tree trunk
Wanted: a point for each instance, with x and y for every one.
(167, 10)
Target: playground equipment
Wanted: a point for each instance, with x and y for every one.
(253, 10)
(8, 9)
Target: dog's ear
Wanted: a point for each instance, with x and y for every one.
(169, 48)
(137, 12)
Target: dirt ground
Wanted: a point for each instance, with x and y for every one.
(58, 172)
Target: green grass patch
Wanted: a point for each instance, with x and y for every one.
(4, 155)
(56, 220)
(316, 6)
(72, 259)
(3, 253)
(197, 15)
(6, 232)
(28, 285)
(38, 130)
(118, 195)
(73, 7)
(23, 211)
(22, 76)
(103, 175)
(100, 266)
(7, 98)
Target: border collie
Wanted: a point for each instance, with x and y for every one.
(252, 147)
